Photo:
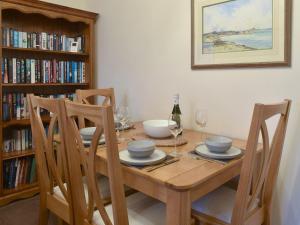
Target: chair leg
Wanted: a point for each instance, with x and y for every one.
(61, 222)
(197, 222)
(267, 221)
(44, 212)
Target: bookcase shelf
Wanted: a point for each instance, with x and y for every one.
(41, 51)
(19, 188)
(17, 154)
(44, 85)
(23, 122)
(33, 18)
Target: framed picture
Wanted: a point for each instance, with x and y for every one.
(74, 46)
(241, 33)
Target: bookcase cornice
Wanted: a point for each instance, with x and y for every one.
(50, 7)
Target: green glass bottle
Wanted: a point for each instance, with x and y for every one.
(176, 112)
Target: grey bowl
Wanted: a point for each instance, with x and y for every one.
(218, 144)
(141, 148)
(87, 133)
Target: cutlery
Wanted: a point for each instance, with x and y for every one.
(167, 162)
(209, 160)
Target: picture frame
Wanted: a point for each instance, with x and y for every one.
(74, 46)
(240, 33)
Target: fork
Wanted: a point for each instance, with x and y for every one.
(168, 162)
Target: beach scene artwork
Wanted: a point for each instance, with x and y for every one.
(237, 26)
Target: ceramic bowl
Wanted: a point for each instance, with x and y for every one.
(141, 148)
(218, 144)
(157, 128)
(87, 133)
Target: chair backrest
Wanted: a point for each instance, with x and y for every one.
(82, 162)
(259, 170)
(50, 158)
(84, 95)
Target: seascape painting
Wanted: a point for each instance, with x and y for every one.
(237, 26)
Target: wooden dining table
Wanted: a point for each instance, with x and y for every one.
(180, 183)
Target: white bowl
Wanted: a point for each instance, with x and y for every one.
(141, 148)
(218, 144)
(157, 128)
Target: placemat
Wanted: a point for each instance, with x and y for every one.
(223, 161)
(165, 142)
(169, 157)
(194, 154)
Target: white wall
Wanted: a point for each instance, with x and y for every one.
(143, 51)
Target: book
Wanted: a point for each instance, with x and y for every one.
(32, 72)
(18, 173)
(5, 68)
(44, 41)
(14, 70)
(18, 71)
(33, 171)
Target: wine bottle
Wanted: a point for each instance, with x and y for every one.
(176, 112)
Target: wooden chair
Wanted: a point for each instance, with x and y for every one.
(51, 161)
(250, 204)
(141, 210)
(83, 96)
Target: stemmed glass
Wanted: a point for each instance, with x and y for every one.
(175, 127)
(201, 119)
(122, 115)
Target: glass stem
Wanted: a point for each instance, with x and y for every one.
(175, 145)
(118, 133)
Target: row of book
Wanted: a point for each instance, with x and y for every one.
(20, 171)
(17, 140)
(40, 40)
(14, 105)
(15, 70)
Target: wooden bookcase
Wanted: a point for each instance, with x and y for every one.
(36, 16)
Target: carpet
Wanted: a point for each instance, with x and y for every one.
(23, 212)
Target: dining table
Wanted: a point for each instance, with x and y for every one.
(180, 183)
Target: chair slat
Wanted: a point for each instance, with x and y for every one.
(84, 95)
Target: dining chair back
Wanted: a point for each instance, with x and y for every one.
(51, 159)
(82, 162)
(258, 174)
(84, 96)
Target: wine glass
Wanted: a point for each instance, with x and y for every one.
(175, 127)
(122, 115)
(201, 120)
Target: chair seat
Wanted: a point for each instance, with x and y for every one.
(218, 204)
(103, 183)
(142, 210)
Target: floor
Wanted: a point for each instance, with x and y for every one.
(23, 212)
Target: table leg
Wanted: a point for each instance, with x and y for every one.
(178, 208)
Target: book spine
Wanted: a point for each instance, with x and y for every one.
(28, 71)
(20, 42)
(32, 72)
(14, 70)
(44, 40)
(18, 71)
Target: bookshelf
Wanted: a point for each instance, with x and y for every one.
(40, 34)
